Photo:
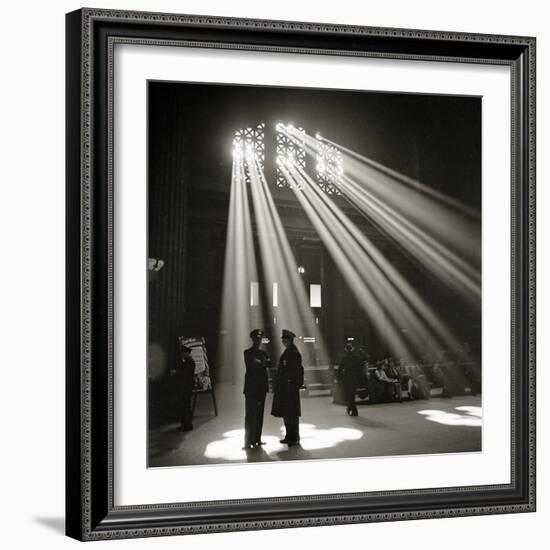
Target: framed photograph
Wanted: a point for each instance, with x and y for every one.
(300, 274)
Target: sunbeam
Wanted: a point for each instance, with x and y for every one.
(292, 310)
(385, 294)
(240, 269)
(446, 241)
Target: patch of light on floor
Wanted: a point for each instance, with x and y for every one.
(230, 447)
(234, 433)
(474, 411)
(311, 438)
(471, 418)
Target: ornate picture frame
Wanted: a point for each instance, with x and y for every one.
(91, 512)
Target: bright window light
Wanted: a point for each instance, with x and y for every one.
(248, 144)
(275, 294)
(254, 293)
(315, 295)
(330, 167)
(290, 150)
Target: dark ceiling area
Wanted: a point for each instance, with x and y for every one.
(433, 138)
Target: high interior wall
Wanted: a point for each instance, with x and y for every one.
(189, 183)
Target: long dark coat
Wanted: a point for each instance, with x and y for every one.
(255, 378)
(290, 377)
(349, 370)
(348, 374)
(185, 376)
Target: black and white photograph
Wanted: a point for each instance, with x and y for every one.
(313, 274)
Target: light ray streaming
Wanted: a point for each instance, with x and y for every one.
(345, 255)
(446, 265)
(240, 269)
(385, 295)
(455, 224)
(447, 241)
(279, 265)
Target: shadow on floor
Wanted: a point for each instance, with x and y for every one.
(164, 441)
(369, 423)
(257, 455)
(297, 452)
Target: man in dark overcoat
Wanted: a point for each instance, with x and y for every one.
(348, 375)
(256, 362)
(286, 398)
(184, 375)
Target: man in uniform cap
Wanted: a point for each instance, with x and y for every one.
(185, 381)
(286, 398)
(348, 374)
(256, 361)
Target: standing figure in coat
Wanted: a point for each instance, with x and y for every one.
(286, 398)
(256, 361)
(348, 375)
(184, 375)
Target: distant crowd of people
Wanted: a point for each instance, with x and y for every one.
(388, 380)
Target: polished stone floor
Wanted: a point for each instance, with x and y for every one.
(438, 425)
